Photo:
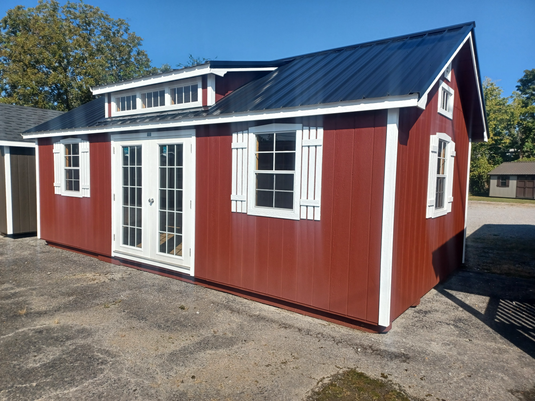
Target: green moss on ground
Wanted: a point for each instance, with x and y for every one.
(353, 385)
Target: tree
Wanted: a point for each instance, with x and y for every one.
(526, 122)
(51, 55)
(502, 118)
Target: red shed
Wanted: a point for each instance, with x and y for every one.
(333, 184)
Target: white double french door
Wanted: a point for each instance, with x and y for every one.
(153, 198)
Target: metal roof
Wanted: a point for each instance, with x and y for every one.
(385, 69)
(16, 119)
(514, 168)
(392, 67)
(86, 115)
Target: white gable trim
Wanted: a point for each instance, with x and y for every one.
(191, 72)
(469, 37)
(389, 204)
(385, 103)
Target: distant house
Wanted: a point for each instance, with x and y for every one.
(333, 184)
(513, 180)
(18, 211)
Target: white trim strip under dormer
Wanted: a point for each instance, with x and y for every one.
(385, 103)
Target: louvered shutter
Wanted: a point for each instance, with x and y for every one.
(311, 164)
(432, 175)
(239, 172)
(449, 179)
(84, 169)
(58, 166)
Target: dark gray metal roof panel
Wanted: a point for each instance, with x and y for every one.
(86, 115)
(16, 119)
(392, 67)
(514, 168)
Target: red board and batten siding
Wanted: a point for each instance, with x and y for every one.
(331, 265)
(80, 223)
(426, 250)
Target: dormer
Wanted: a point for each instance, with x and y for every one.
(195, 87)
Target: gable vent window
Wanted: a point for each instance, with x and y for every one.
(153, 99)
(445, 100)
(185, 94)
(126, 103)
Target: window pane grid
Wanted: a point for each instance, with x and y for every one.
(153, 99)
(275, 170)
(170, 207)
(124, 103)
(441, 174)
(72, 167)
(185, 94)
(132, 208)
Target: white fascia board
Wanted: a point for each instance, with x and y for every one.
(389, 205)
(474, 64)
(386, 103)
(16, 144)
(172, 76)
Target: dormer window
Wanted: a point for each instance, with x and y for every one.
(185, 94)
(153, 99)
(126, 103)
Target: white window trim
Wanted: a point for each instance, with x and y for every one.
(59, 168)
(449, 112)
(431, 211)
(168, 106)
(254, 210)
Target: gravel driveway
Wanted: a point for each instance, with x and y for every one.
(72, 327)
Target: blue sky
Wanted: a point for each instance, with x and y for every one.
(273, 29)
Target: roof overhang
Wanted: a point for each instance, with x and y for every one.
(470, 39)
(185, 73)
(390, 102)
(17, 144)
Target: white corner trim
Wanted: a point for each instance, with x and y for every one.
(17, 144)
(389, 204)
(390, 102)
(423, 101)
(466, 197)
(37, 191)
(9, 194)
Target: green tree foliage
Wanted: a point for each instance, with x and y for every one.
(511, 123)
(526, 122)
(51, 55)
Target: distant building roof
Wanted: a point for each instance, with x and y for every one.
(16, 119)
(514, 168)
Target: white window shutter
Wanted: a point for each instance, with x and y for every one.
(84, 168)
(449, 180)
(239, 172)
(311, 164)
(432, 174)
(58, 167)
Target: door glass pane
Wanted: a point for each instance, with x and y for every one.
(131, 184)
(170, 204)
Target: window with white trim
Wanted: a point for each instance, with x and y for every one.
(276, 171)
(440, 176)
(445, 100)
(71, 167)
(185, 94)
(125, 103)
(153, 99)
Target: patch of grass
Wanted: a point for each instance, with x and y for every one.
(353, 385)
(500, 200)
